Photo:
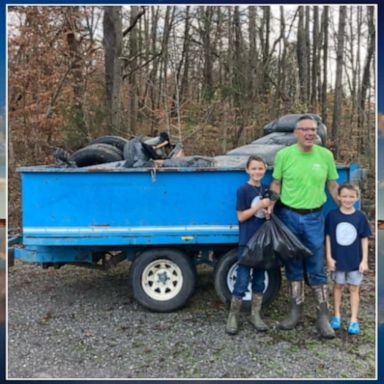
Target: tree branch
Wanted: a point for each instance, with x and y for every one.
(138, 16)
(141, 66)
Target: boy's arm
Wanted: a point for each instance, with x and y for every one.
(363, 267)
(248, 213)
(331, 263)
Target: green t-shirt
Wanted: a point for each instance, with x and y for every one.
(303, 175)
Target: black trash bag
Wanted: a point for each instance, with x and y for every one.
(276, 138)
(259, 252)
(158, 147)
(150, 152)
(62, 158)
(267, 152)
(189, 162)
(153, 141)
(230, 161)
(287, 123)
(271, 245)
(134, 152)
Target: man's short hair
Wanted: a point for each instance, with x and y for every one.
(305, 117)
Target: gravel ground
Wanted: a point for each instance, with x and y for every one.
(81, 323)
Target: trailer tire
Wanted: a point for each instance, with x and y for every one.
(225, 276)
(96, 154)
(117, 141)
(174, 268)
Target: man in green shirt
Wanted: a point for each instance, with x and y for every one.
(301, 172)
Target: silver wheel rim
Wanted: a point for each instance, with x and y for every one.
(231, 279)
(162, 280)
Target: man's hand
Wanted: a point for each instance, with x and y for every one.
(275, 195)
(332, 189)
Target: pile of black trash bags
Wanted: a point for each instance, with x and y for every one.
(143, 152)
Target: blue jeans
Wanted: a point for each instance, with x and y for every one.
(242, 279)
(309, 229)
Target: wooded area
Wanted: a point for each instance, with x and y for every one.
(210, 76)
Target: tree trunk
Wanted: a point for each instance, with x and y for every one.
(265, 35)
(162, 85)
(337, 110)
(324, 29)
(315, 59)
(365, 83)
(71, 27)
(252, 57)
(134, 53)
(205, 33)
(152, 80)
(302, 57)
(282, 74)
(308, 57)
(113, 34)
(182, 72)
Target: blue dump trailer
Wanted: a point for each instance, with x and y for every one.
(164, 221)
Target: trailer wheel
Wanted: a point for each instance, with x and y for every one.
(162, 279)
(225, 277)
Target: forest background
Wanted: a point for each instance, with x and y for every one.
(211, 76)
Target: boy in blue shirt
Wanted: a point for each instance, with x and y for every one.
(347, 231)
(251, 212)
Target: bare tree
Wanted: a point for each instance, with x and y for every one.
(72, 29)
(206, 25)
(253, 55)
(315, 59)
(113, 33)
(365, 84)
(265, 31)
(337, 110)
(302, 56)
(324, 34)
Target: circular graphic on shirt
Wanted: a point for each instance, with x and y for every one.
(346, 233)
(259, 213)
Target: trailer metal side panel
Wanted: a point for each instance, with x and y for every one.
(104, 205)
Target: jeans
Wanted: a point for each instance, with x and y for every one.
(309, 229)
(242, 279)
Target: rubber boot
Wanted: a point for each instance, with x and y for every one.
(255, 318)
(322, 321)
(296, 306)
(232, 326)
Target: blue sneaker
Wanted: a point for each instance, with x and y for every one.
(354, 328)
(335, 323)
